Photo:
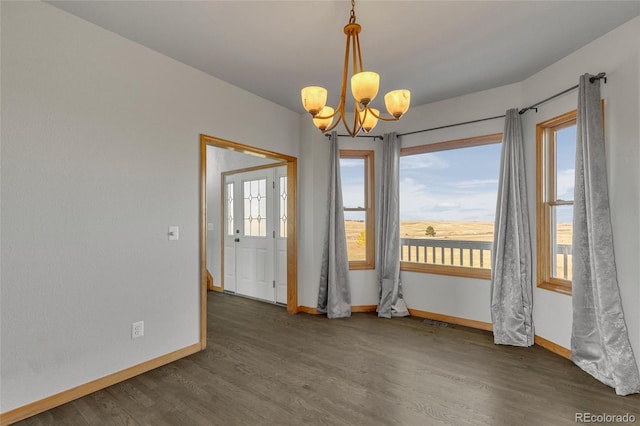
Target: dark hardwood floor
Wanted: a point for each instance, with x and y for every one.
(266, 367)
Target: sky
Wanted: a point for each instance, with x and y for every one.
(458, 184)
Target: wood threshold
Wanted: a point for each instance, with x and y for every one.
(63, 397)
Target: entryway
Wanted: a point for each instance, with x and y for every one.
(283, 258)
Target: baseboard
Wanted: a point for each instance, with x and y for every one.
(354, 309)
(364, 308)
(210, 284)
(452, 320)
(217, 289)
(308, 310)
(541, 341)
(553, 347)
(69, 395)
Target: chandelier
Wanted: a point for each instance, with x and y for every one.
(364, 88)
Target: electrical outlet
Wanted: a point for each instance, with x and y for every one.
(137, 329)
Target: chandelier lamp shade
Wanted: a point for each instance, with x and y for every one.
(364, 88)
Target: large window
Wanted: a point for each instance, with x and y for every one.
(448, 194)
(556, 151)
(356, 172)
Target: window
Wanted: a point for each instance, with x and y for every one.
(282, 190)
(448, 193)
(356, 172)
(230, 222)
(555, 159)
(255, 208)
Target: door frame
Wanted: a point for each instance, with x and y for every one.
(292, 240)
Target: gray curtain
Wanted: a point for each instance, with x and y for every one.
(599, 341)
(511, 283)
(388, 247)
(334, 296)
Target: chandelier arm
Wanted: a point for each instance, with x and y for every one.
(352, 131)
(357, 43)
(357, 121)
(333, 126)
(345, 73)
(355, 51)
(335, 112)
(380, 117)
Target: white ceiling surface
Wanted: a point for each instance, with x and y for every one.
(437, 49)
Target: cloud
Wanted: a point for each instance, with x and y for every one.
(420, 201)
(423, 161)
(474, 183)
(351, 162)
(446, 205)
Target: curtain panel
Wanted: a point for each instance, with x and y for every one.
(391, 302)
(511, 279)
(334, 295)
(599, 341)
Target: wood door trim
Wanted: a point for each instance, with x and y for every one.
(292, 239)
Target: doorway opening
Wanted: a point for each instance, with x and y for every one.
(253, 225)
(287, 227)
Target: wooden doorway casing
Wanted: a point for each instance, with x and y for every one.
(292, 240)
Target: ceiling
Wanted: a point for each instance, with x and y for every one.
(437, 49)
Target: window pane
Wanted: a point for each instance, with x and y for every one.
(353, 182)
(255, 208)
(561, 240)
(230, 222)
(565, 162)
(355, 228)
(447, 206)
(282, 186)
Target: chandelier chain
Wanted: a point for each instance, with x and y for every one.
(352, 16)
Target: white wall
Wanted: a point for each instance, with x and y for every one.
(100, 154)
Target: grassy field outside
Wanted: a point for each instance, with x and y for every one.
(448, 230)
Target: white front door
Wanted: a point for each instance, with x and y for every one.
(254, 258)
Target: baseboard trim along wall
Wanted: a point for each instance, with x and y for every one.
(354, 309)
(452, 320)
(553, 347)
(69, 395)
(542, 342)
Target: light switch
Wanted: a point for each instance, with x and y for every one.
(174, 233)
(209, 226)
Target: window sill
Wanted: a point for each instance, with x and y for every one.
(361, 266)
(561, 287)
(456, 271)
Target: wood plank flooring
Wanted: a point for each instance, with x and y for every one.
(266, 367)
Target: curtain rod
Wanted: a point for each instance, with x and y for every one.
(600, 76)
(374, 137)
